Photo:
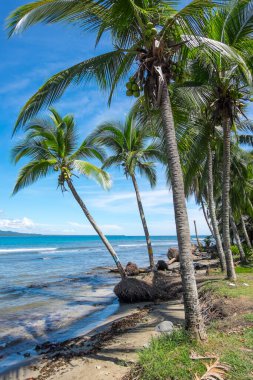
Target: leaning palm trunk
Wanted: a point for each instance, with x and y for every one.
(197, 236)
(225, 200)
(213, 211)
(237, 238)
(144, 223)
(247, 239)
(206, 217)
(193, 317)
(96, 228)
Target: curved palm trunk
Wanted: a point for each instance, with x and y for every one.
(237, 238)
(144, 223)
(206, 217)
(96, 228)
(247, 239)
(193, 317)
(213, 211)
(225, 200)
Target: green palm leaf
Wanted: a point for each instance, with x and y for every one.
(93, 172)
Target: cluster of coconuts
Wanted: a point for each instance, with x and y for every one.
(63, 176)
(151, 30)
(133, 89)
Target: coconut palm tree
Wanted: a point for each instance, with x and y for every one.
(51, 145)
(197, 150)
(229, 88)
(131, 149)
(148, 37)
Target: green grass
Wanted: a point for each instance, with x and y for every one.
(244, 269)
(168, 357)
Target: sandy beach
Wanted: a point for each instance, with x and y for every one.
(106, 352)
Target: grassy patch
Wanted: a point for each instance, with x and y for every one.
(168, 357)
(244, 269)
(242, 287)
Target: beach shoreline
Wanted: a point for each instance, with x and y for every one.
(108, 351)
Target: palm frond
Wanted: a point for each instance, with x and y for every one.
(92, 171)
(103, 68)
(33, 171)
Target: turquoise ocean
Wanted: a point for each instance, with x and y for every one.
(54, 288)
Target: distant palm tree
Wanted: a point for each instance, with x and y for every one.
(131, 149)
(51, 145)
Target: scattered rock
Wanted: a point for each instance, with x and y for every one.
(231, 284)
(27, 355)
(173, 254)
(161, 265)
(244, 284)
(199, 266)
(165, 327)
(132, 269)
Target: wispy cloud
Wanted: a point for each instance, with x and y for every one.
(17, 224)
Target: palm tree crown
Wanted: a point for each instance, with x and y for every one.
(130, 148)
(52, 145)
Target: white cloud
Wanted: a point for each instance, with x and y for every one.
(155, 201)
(17, 224)
(87, 228)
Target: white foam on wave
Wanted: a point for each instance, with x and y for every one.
(166, 243)
(34, 249)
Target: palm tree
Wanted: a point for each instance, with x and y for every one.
(130, 148)
(227, 86)
(51, 145)
(149, 35)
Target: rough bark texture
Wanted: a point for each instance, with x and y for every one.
(206, 217)
(237, 238)
(225, 200)
(193, 317)
(96, 228)
(247, 239)
(144, 223)
(213, 210)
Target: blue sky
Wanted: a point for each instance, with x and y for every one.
(27, 61)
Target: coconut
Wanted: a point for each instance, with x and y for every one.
(150, 25)
(136, 94)
(153, 31)
(129, 85)
(129, 92)
(132, 79)
(135, 87)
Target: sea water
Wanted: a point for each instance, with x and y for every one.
(55, 287)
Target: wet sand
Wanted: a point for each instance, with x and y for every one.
(104, 353)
